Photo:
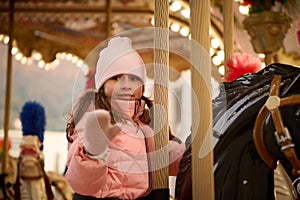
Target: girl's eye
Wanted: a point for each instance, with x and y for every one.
(134, 78)
(117, 78)
(129, 77)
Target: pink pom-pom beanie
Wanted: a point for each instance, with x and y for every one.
(119, 58)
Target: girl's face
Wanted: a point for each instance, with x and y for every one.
(124, 87)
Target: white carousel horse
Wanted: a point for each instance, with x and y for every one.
(26, 178)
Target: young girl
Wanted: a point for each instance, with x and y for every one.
(110, 132)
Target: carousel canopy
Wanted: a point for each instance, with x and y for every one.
(76, 27)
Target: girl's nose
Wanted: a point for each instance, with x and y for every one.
(125, 82)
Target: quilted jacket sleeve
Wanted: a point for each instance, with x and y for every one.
(85, 175)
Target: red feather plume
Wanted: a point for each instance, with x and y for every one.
(240, 64)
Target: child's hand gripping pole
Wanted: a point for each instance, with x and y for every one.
(98, 132)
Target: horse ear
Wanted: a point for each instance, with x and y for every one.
(294, 86)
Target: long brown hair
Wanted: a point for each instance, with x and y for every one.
(100, 101)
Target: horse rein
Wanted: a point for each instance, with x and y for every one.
(282, 135)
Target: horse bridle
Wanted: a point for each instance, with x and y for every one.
(283, 137)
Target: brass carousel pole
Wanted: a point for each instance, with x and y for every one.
(108, 18)
(228, 30)
(161, 78)
(8, 90)
(202, 151)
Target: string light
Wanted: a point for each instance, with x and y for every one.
(221, 70)
(37, 56)
(215, 43)
(18, 56)
(244, 10)
(79, 63)
(186, 13)
(74, 59)
(175, 27)
(221, 54)
(261, 55)
(23, 61)
(175, 6)
(6, 39)
(211, 51)
(217, 60)
(56, 62)
(41, 64)
(47, 66)
(152, 21)
(184, 31)
(14, 50)
(69, 57)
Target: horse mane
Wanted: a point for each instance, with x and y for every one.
(246, 95)
(235, 111)
(235, 157)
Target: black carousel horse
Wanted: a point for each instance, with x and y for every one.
(246, 150)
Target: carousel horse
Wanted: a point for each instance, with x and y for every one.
(26, 177)
(256, 120)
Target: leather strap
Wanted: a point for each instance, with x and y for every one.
(282, 134)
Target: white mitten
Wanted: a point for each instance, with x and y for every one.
(98, 131)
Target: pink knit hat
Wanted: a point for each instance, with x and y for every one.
(119, 58)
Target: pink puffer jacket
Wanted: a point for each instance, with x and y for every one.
(123, 171)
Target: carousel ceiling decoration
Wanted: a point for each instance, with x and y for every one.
(46, 31)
